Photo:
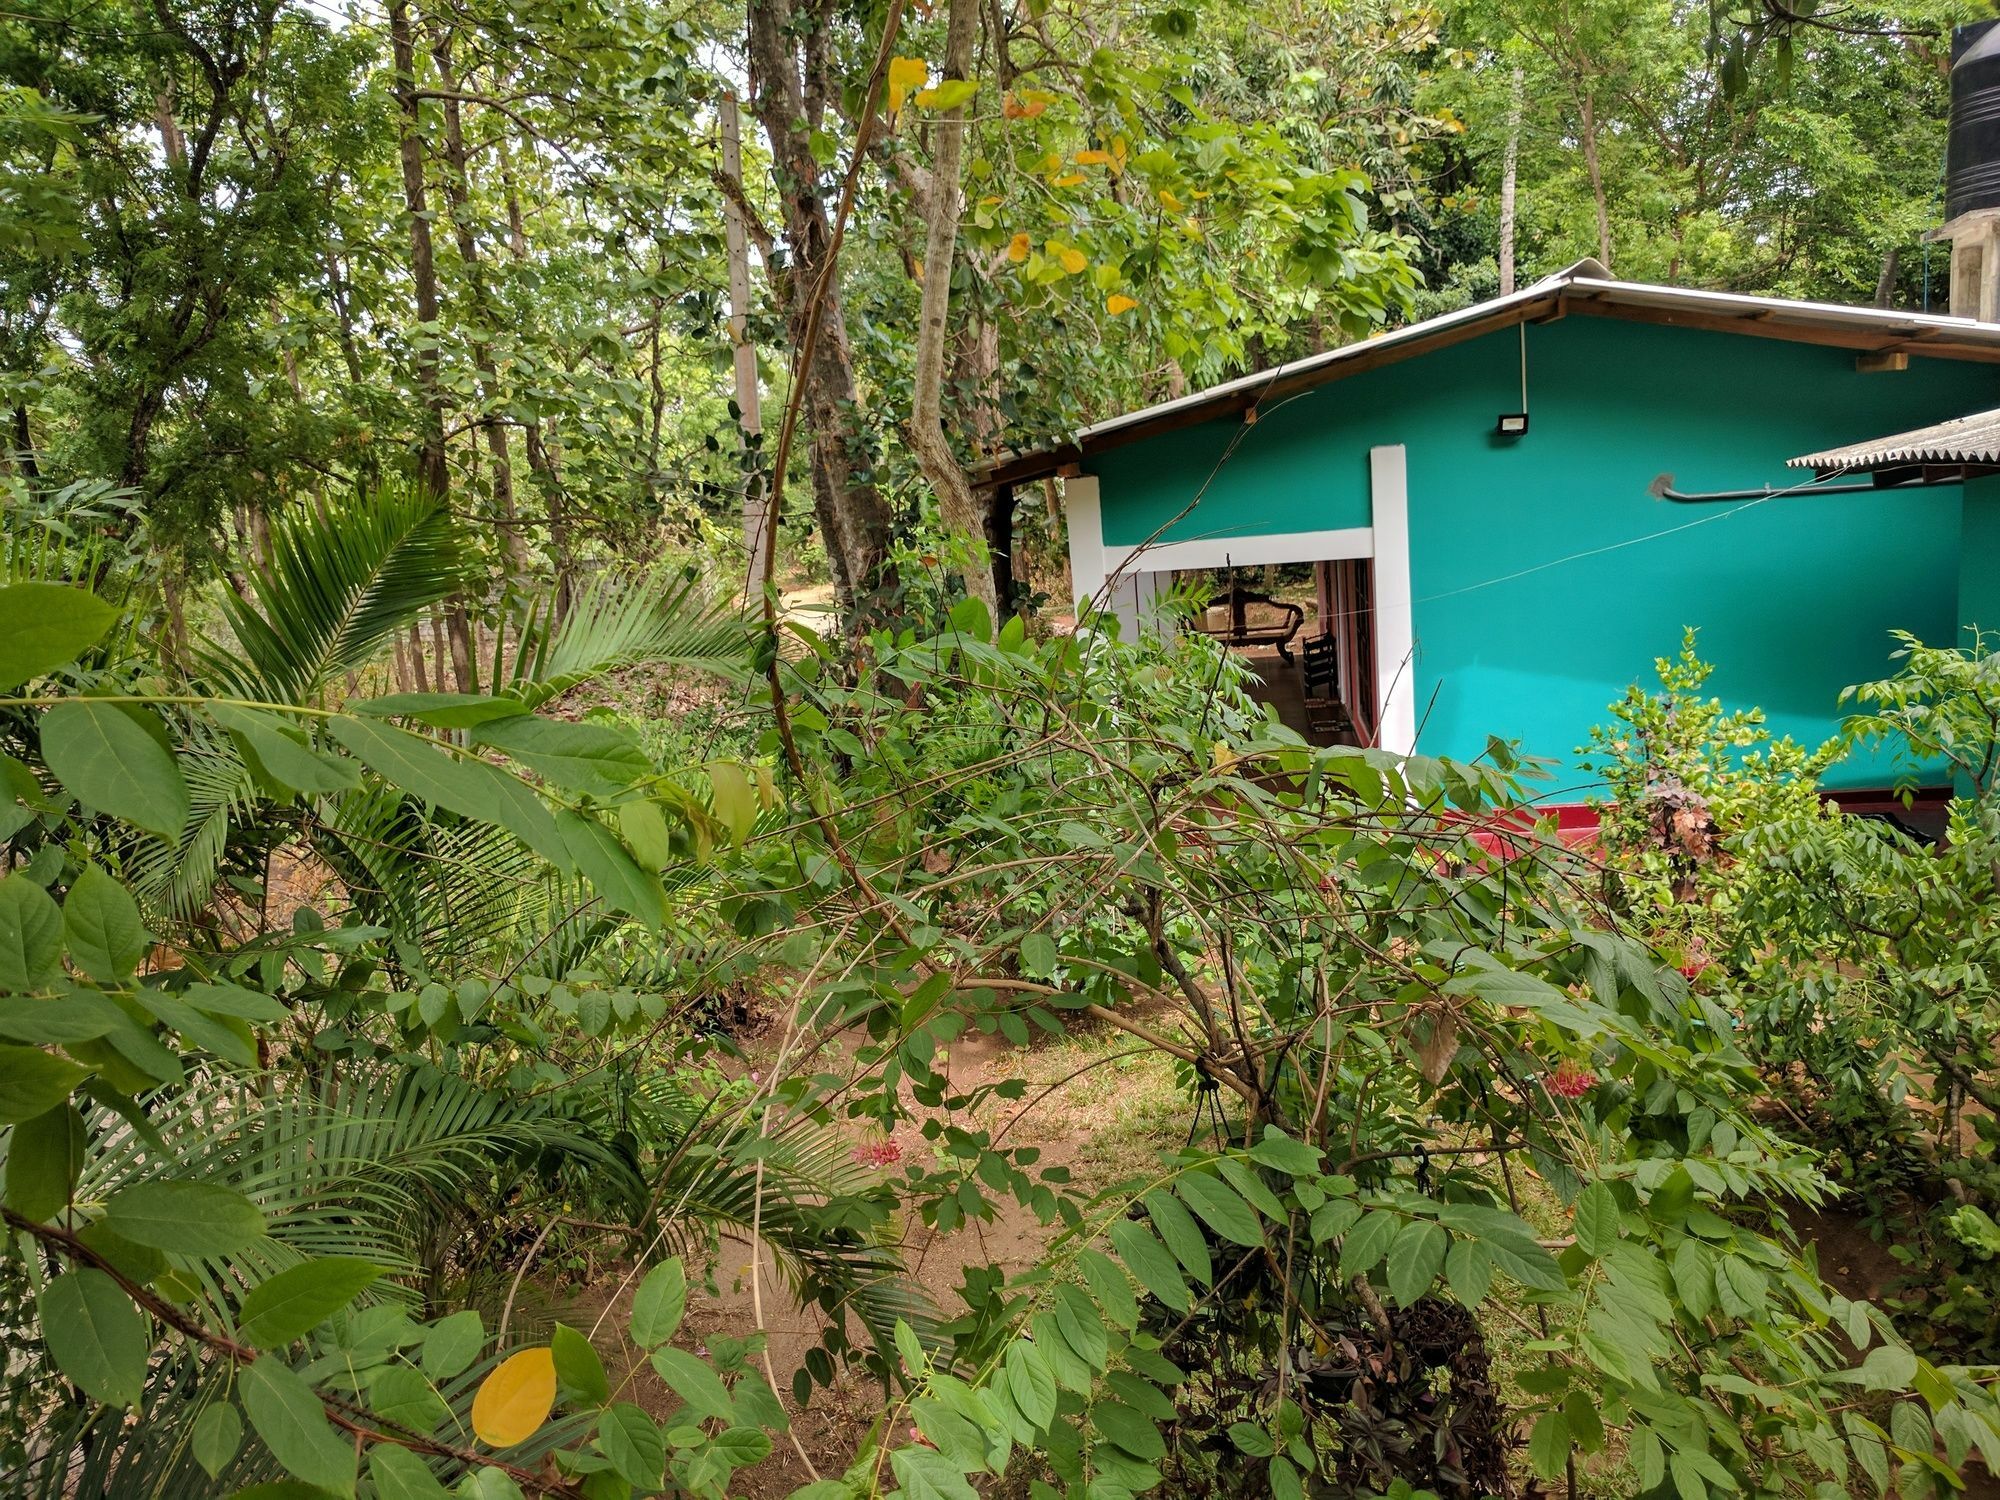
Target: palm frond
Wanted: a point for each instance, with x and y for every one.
(622, 621)
(339, 581)
(818, 1211)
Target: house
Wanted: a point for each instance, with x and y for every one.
(1515, 508)
(1963, 451)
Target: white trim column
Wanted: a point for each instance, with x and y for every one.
(1395, 634)
(1085, 515)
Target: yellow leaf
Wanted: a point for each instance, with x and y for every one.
(1068, 179)
(1168, 200)
(1224, 757)
(905, 74)
(1092, 158)
(516, 1398)
(1069, 257)
(1017, 248)
(1119, 303)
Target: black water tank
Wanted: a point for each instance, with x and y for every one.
(1972, 158)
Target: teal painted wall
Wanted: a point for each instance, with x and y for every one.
(1517, 634)
(1979, 559)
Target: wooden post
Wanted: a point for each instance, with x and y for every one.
(750, 414)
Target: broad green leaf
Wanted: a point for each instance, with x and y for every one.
(1415, 1258)
(33, 1082)
(31, 929)
(1285, 1480)
(927, 1474)
(44, 1156)
(139, 1264)
(44, 626)
(732, 798)
(612, 873)
(596, 758)
(462, 785)
(398, 1474)
(101, 920)
(694, 1382)
(740, 1447)
(1038, 954)
(1134, 1433)
(1284, 1154)
(1031, 1384)
(1468, 1269)
(402, 1394)
(658, 1304)
(79, 1016)
(1146, 1258)
(1112, 1291)
(515, 1398)
(1549, 1445)
(1888, 1367)
(1249, 1438)
(1177, 1227)
(452, 1344)
(1694, 1277)
(579, 1372)
(95, 1335)
(445, 710)
(285, 1413)
(1081, 1324)
(230, 1041)
(1220, 1208)
(643, 828)
(1368, 1242)
(634, 1444)
(108, 756)
(1596, 1219)
(217, 1436)
(234, 1000)
(297, 1300)
(185, 1218)
(283, 756)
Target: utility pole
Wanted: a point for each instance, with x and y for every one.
(749, 407)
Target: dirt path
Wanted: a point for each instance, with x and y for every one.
(1092, 1107)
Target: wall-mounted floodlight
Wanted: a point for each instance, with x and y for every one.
(1512, 424)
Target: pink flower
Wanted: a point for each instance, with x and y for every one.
(881, 1154)
(1570, 1081)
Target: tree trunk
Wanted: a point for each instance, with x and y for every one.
(541, 463)
(1885, 284)
(458, 194)
(749, 400)
(1596, 171)
(1508, 183)
(431, 471)
(24, 444)
(791, 82)
(957, 506)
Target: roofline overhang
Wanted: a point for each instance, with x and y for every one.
(1866, 330)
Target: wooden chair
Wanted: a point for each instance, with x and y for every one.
(1319, 667)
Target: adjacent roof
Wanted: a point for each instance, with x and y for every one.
(1963, 443)
(1585, 288)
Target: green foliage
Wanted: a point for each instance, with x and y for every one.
(1869, 988)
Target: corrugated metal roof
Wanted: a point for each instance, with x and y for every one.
(1584, 288)
(1973, 439)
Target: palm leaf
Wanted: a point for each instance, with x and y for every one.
(338, 583)
(624, 621)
